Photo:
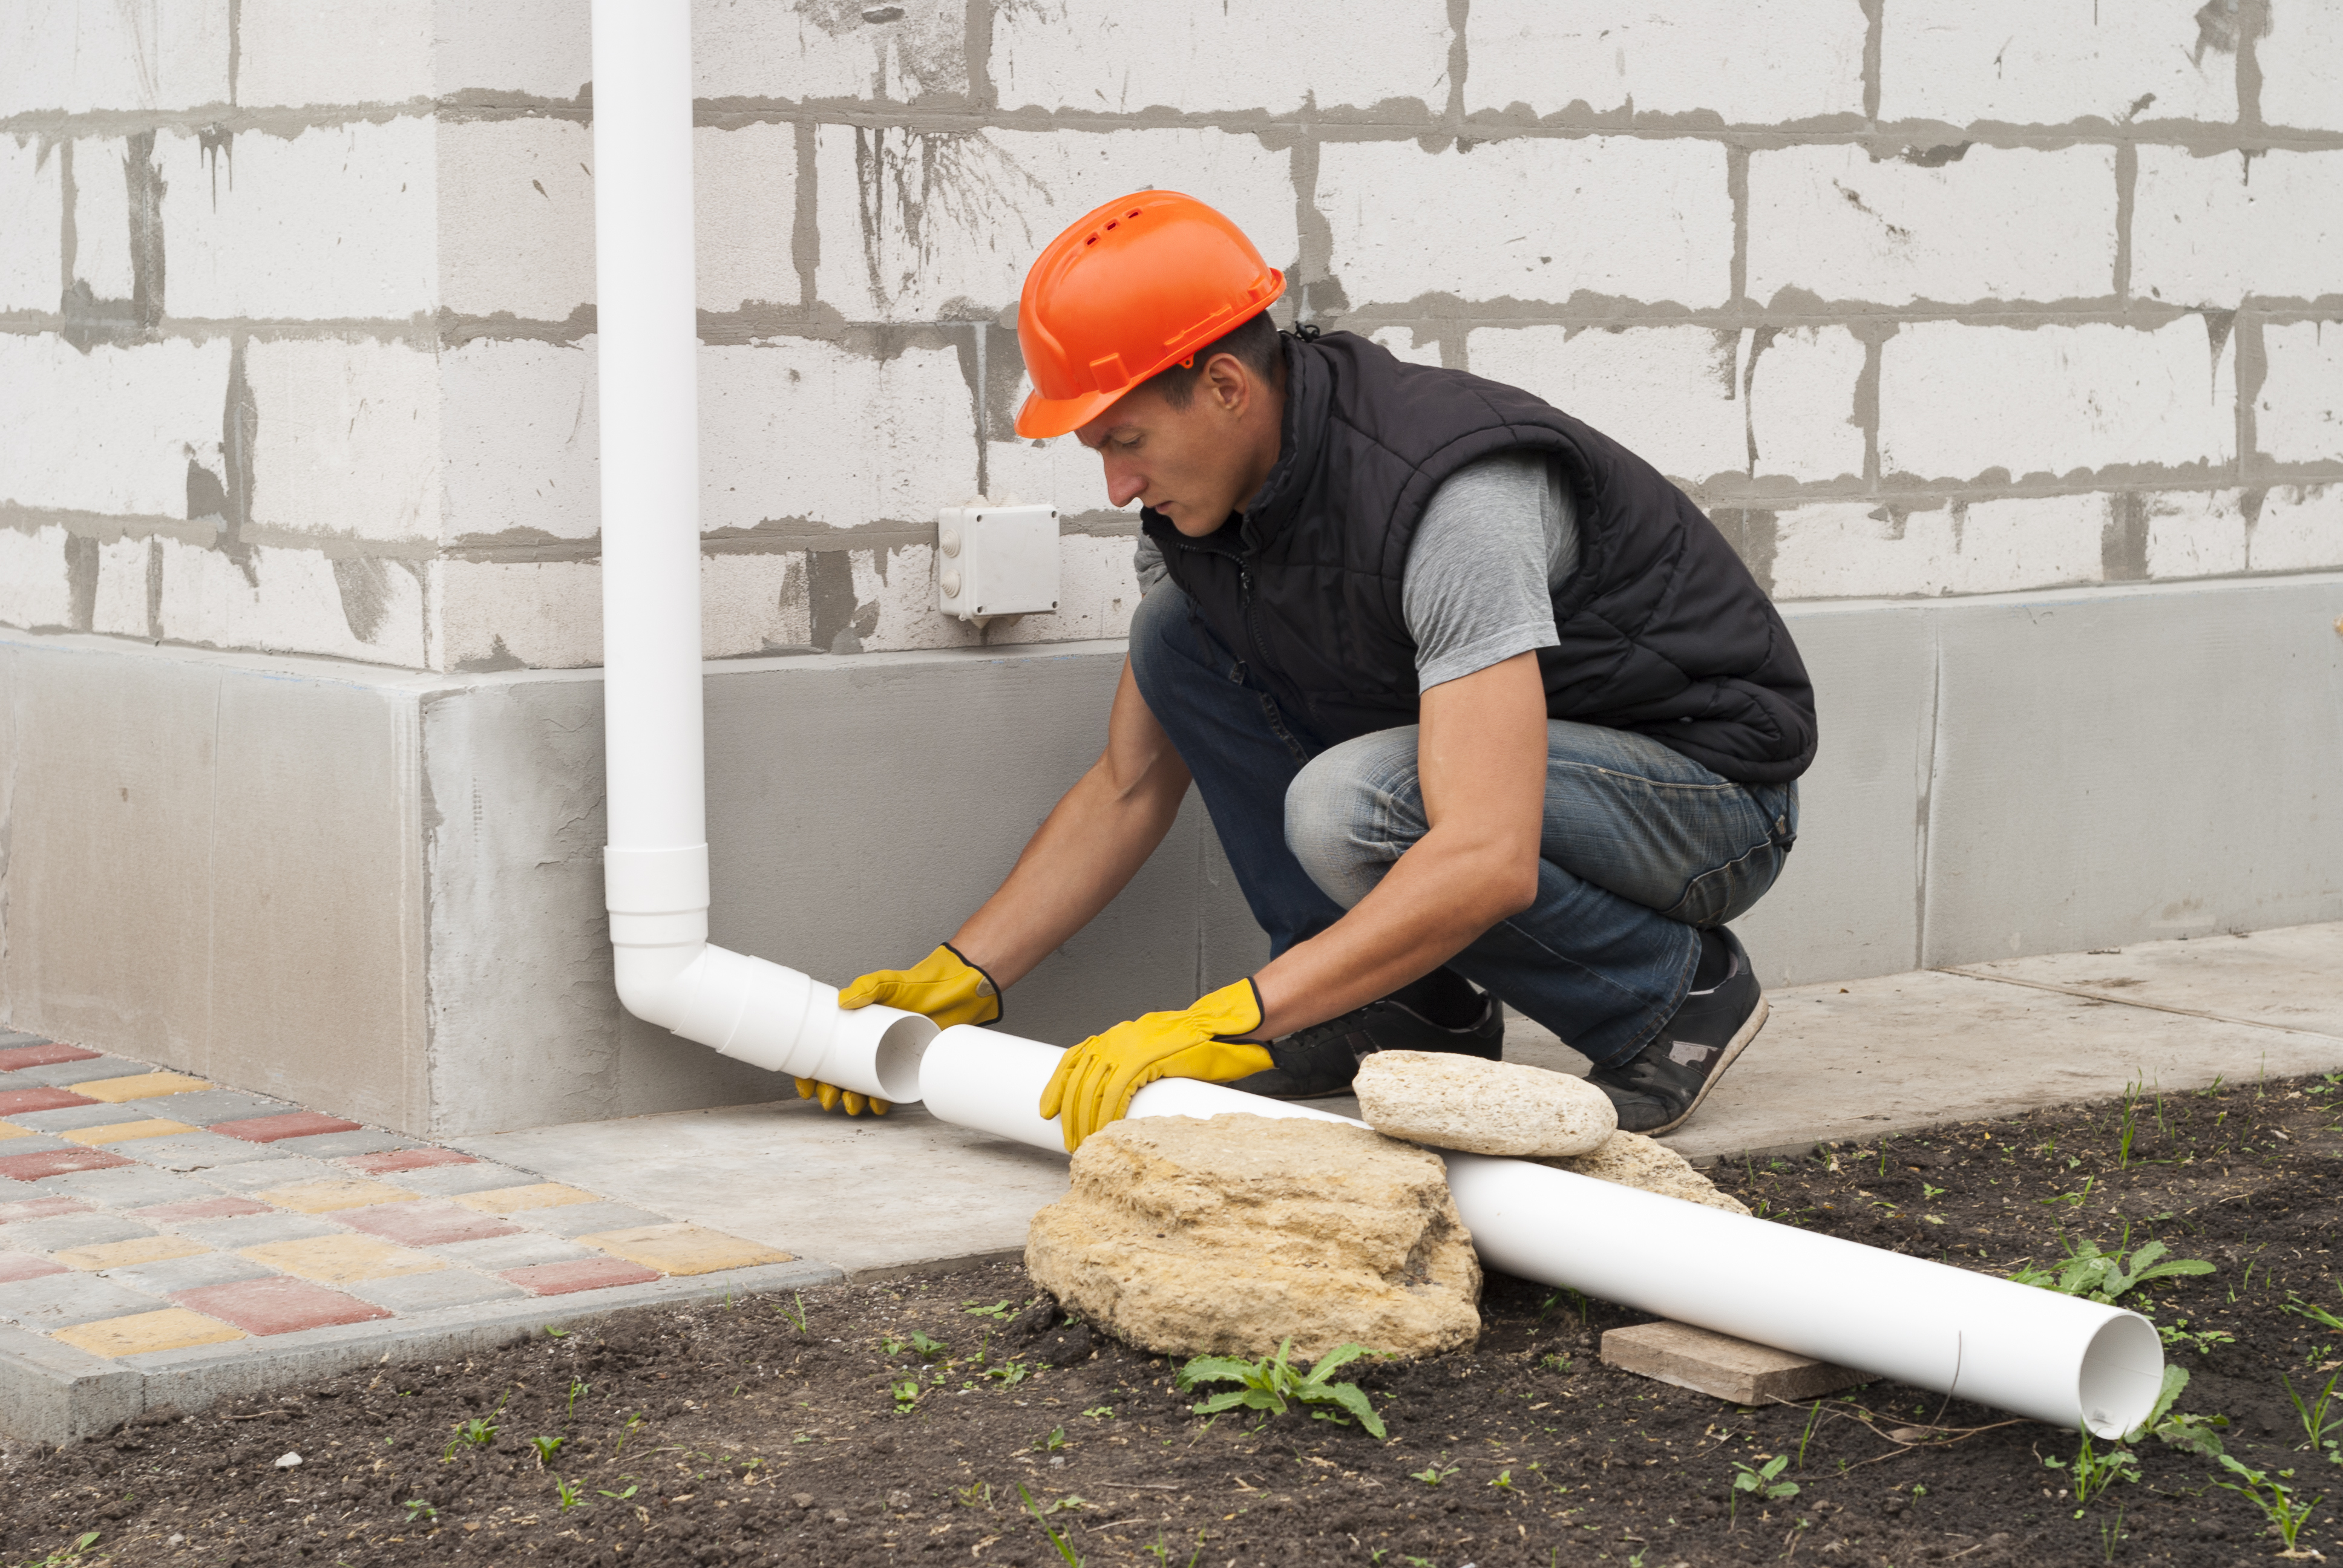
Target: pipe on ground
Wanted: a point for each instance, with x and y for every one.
(2046, 1356)
(2031, 1352)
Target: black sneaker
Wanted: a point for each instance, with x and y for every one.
(1320, 1060)
(1666, 1082)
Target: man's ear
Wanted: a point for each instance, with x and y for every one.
(1229, 383)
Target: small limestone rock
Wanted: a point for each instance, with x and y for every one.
(1227, 1236)
(1482, 1106)
(1632, 1160)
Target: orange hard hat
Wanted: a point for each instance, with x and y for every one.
(1141, 283)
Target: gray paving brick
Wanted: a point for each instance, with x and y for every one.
(62, 1231)
(429, 1292)
(65, 1075)
(199, 1151)
(340, 1145)
(67, 1118)
(584, 1219)
(450, 1181)
(128, 1186)
(281, 1171)
(187, 1274)
(201, 1107)
(253, 1229)
(60, 1301)
(39, 1143)
(495, 1254)
(10, 1039)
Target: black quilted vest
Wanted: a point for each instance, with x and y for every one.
(1664, 631)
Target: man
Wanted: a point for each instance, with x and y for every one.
(1483, 710)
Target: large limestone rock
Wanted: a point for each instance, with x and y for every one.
(1225, 1236)
(1482, 1106)
(1632, 1160)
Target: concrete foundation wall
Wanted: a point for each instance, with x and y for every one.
(381, 894)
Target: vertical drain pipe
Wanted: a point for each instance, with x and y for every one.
(655, 868)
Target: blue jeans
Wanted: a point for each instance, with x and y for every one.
(1642, 846)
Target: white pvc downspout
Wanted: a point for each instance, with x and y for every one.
(654, 869)
(2049, 1356)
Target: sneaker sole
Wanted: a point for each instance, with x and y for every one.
(1733, 1049)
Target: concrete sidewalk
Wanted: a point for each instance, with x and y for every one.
(165, 1240)
(1835, 1061)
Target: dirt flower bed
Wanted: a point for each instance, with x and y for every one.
(962, 1419)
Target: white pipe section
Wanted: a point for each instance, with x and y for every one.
(654, 870)
(2031, 1352)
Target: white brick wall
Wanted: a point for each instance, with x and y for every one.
(29, 241)
(1530, 218)
(516, 219)
(34, 589)
(1957, 401)
(919, 226)
(756, 49)
(1833, 222)
(2196, 533)
(119, 606)
(1854, 550)
(519, 432)
(74, 56)
(539, 48)
(101, 216)
(773, 419)
(2298, 413)
(111, 431)
(291, 602)
(2298, 59)
(299, 52)
(1802, 417)
(545, 614)
(346, 442)
(1746, 62)
(1113, 58)
(2300, 529)
(751, 604)
(2049, 61)
(331, 224)
(1670, 394)
(744, 211)
(2212, 230)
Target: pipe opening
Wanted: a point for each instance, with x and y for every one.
(2122, 1373)
(897, 1058)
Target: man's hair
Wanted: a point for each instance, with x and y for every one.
(1253, 343)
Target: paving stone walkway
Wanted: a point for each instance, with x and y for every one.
(152, 1225)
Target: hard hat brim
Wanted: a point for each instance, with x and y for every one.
(1042, 417)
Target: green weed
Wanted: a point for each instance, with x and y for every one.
(2094, 1472)
(416, 1508)
(2201, 1340)
(2102, 1276)
(577, 1390)
(1064, 1550)
(1759, 1485)
(1432, 1474)
(1274, 1382)
(978, 1309)
(569, 1494)
(2317, 1422)
(547, 1447)
(794, 1315)
(2276, 1501)
(1053, 1443)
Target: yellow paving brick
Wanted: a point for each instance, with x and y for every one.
(343, 1259)
(513, 1200)
(124, 1132)
(171, 1328)
(139, 1086)
(122, 1254)
(10, 1129)
(335, 1192)
(682, 1249)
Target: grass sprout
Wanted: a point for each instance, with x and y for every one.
(1274, 1383)
(2286, 1512)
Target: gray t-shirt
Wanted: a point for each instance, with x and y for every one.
(1499, 537)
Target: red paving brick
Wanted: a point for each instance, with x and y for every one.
(15, 1101)
(581, 1275)
(280, 1305)
(44, 1055)
(57, 1163)
(425, 1224)
(222, 1208)
(40, 1209)
(290, 1124)
(403, 1160)
(14, 1266)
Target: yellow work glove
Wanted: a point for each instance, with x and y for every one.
(944, 985)
(1095, 1080)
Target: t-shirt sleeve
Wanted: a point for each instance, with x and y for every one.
(1478, 585)
(1147, 560)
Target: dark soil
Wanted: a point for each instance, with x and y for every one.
(745, 1433)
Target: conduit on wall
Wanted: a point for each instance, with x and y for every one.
(2047, 1356)
(654, 869)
